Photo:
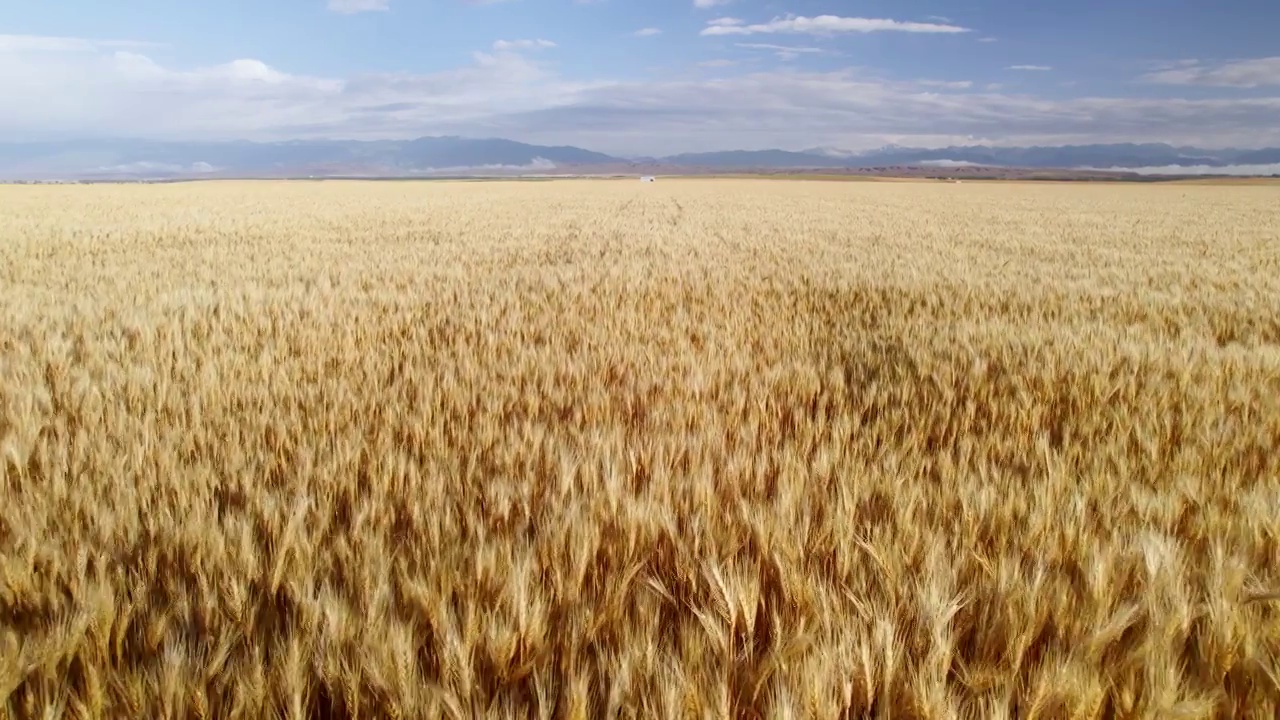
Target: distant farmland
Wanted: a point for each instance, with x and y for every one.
(699, 448)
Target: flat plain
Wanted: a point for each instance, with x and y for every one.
(695, 448)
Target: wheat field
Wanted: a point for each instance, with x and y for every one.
(697, 448)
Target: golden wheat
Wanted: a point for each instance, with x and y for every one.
(580, 449)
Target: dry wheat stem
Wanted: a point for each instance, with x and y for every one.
(683, 449)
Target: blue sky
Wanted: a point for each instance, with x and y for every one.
(647, 77)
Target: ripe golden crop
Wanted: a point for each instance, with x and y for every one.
(698, 448)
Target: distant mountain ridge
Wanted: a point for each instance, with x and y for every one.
(449, 155)
(111, 158)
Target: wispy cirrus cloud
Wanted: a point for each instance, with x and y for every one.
(1250, 73)
(515, 45)
(57, 44)
(784, 52)
(353, 7)
(946, 84)
(1030, 68)
(825, 25)
(647, 32)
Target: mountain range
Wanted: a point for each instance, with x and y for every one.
(457, 156)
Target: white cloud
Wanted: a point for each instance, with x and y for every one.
(351, 7)
(827, 25)
(948, 163)
(248, 70)
(82, 89)
(724, 22)
(704, 4)
(802, 109)
(53, 44)
(648, 32)
(718, 63)
(539, 163)
(155, 168)
(783, 52)
(1030, 68)
(1273, 169)
(515, 45)
(1256, 72)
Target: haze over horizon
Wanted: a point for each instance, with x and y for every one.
(657, 78)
